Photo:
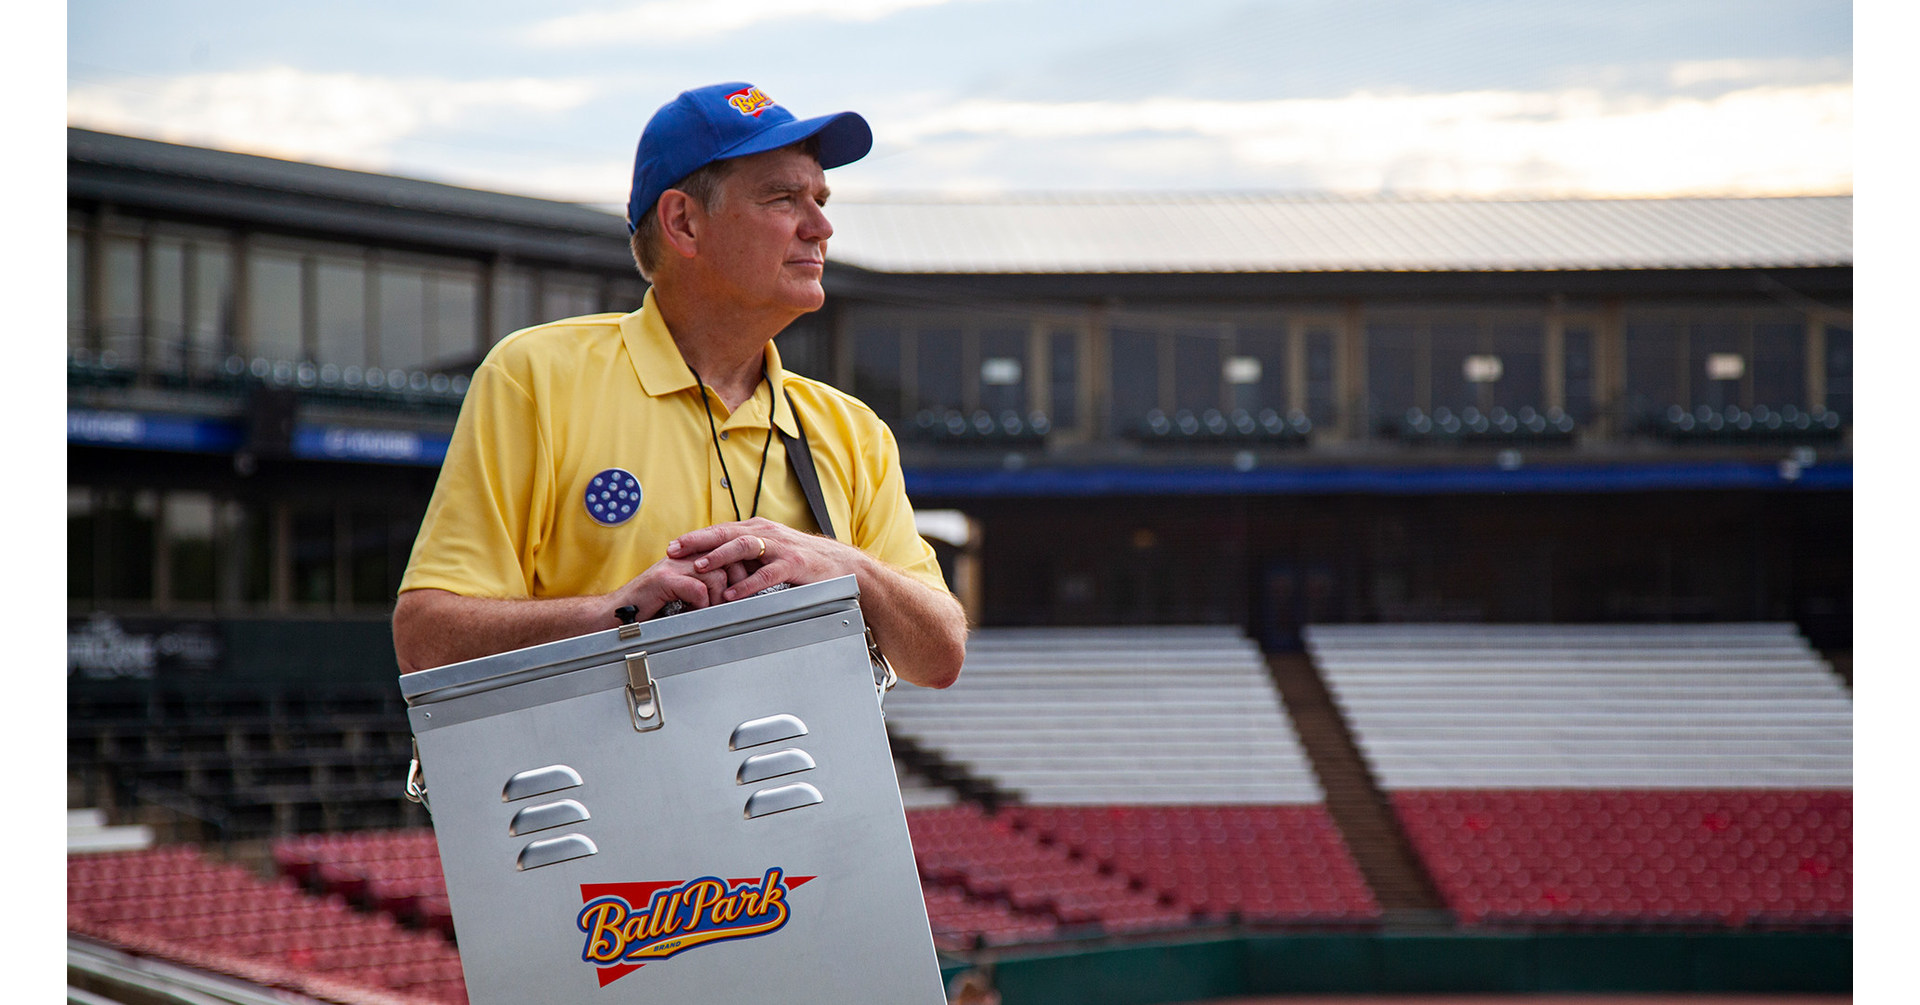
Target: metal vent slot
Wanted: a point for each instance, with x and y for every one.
(536, 781)
(544, 816)
(782, 798)
(760, 767)
(540, 854)
(771, 729)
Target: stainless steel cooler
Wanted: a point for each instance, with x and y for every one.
(700, 808)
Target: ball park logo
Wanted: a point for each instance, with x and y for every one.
(676, 916)
(750, 101)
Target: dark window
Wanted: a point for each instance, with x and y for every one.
(1654, 358)
(210, 326)
(938, 370)
(1577, 363)
(274, 300)
(379, 542)
(125, 545)
(167, 305)
(120, 328)
(513, 300)
(876, 370)
(800, 348)
(1267, 347)
(1840, 370)
(568, 296)
(1197, 359)
(1393, 365)
(343, 313)
(1451, 344)
(76, 290)
(1779, 364)
(455, 310)
(1063, 376)
(1136, 377)
(403, 318)
(313, 554)
(190, 546)
(1518, 348)
(83, 527)
(1323, 388)
(244, 555)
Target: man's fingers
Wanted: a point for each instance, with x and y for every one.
(746, 548)
(765, 577)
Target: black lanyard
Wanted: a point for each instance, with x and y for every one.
(759, 479)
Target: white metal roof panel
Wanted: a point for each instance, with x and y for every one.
(1172, 233)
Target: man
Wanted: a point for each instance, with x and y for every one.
(615, 461)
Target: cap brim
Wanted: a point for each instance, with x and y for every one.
(845, 137)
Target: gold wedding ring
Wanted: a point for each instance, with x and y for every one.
(763, 548)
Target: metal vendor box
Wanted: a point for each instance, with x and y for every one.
(698, 808)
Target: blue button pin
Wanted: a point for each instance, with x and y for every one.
(613, 497)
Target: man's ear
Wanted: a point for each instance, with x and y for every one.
(681, 221)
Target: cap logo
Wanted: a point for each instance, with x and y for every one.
(750, 101)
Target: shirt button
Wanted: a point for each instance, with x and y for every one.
(723, 436)
(725, 484)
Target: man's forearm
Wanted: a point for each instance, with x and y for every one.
(434, 627)
(922, 631)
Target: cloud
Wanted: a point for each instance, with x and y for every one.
(680, 20)
(1754, 72)
(1753, 140)
(341, 118)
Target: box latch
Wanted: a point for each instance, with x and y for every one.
(643, 696)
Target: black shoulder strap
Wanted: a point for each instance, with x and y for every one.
(800, 459)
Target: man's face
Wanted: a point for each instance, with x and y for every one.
(766, 238)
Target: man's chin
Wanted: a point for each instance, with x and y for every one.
(807, 297)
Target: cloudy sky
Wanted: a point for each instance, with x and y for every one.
(968, 96)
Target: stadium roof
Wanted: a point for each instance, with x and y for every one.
(1079, 234)
(1038, 235)
(131, 172)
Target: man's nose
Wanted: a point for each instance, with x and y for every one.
(815, 227)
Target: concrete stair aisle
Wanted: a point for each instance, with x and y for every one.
(1359, 808)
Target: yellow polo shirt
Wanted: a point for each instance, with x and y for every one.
(582, 449)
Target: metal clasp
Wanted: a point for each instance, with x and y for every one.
(883, 676)
(643, 696)
(417, 780)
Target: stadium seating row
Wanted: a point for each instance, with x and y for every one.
(227, 920)
(1105, 716)
(1675, 774)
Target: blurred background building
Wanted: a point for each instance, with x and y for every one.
(1265, 419)
(1252, 411)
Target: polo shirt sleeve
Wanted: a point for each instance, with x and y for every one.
(883, 526)
(481, 530)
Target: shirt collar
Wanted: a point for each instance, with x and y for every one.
(662, 371)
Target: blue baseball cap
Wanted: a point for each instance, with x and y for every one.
(724, 121)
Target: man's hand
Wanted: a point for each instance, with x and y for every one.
(434, 627)
(696, 582)
(776, 553)
(922, 630)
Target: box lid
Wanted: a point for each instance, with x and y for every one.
(765, 610)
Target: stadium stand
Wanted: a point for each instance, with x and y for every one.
(1154, 777)
(245, 764)
(178, 904)
(1609, 775)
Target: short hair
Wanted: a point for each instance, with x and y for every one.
(703, 186)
